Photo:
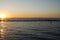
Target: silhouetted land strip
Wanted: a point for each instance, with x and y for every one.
(32, 19)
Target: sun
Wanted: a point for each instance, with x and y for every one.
(3, 16)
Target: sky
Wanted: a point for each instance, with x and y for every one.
(31, 8)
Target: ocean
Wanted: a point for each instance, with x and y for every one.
(30, 30)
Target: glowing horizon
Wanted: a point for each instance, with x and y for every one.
(30, 8)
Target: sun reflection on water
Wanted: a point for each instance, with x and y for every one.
(2, 30)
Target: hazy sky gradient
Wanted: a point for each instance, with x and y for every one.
(31, 8)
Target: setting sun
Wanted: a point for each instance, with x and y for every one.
(3, 16)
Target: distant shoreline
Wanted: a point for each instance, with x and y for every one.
(32, 19)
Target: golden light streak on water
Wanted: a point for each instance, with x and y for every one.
(2, 30)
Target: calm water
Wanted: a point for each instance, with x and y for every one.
(40, 30)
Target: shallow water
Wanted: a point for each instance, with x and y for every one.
(40, 30)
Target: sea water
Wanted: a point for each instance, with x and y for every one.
(39, 30)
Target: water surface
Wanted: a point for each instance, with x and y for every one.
(39, 30)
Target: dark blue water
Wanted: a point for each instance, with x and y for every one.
(40, 30)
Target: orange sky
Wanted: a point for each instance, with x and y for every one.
(30, 8)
